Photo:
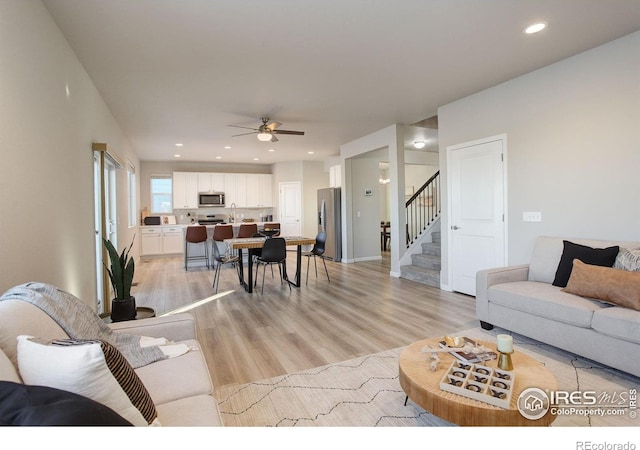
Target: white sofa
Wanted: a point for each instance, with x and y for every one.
(180, 387)
(522, 299)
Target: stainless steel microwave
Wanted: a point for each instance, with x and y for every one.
(209, 199)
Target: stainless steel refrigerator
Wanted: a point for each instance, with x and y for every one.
(330, 222)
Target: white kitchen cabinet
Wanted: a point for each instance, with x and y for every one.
(266, 190)
(235, 185)
(151, 241)
(210, 182)
(259, 190)
(253, 191)
(185, 190)
(217, 182)
(172, 241)
(204, 182)
(161, 240)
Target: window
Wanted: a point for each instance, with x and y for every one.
(131, 189)
(161, 194)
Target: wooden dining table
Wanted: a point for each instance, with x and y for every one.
(258, 242)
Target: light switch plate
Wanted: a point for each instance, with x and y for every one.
(532, 216)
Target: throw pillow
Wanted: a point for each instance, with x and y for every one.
(596, 256)
(619, 287)
(94, 369)
(628, 259)
(23, 405)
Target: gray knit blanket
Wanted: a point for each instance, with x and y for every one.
(79, 321)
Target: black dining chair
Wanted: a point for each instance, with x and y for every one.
(274, 251)
(219, 261)
(317, 250)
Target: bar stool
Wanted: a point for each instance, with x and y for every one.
(247, 230)
(196, 234)
(220, 233)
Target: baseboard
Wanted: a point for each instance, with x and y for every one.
(368, 258)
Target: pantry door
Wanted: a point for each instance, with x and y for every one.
(477, 210)
(290, 207)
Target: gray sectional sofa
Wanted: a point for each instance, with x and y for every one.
(522, 299)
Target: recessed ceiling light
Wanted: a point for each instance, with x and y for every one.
(256, 159)
(271, 150)
(419, 144)
(176, 156)
(311, 153)
(535, 28)
(227, 147)
(218, 157)
(179, 144)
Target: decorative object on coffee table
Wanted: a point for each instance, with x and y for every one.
(423, 387)
(505, 348)
(123, 306)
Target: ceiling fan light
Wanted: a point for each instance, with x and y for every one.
(264, 137)
(419, 144)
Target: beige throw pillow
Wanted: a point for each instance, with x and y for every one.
(619, 287)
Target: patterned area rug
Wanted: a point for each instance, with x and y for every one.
(365, 392)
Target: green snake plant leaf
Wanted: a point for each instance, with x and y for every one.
(121, 270)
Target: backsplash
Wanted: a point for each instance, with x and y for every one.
(187, 216)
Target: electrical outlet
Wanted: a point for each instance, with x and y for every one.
(532, 216)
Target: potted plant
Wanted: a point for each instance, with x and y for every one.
(123, 306)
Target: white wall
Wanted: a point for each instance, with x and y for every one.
(573, 146)
(46, 176)
(391, 139)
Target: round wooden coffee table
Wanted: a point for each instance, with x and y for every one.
(423, 387)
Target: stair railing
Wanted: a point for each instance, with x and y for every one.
(423, 208)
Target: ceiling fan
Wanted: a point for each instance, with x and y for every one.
(267, 131)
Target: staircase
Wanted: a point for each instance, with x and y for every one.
(425, 266)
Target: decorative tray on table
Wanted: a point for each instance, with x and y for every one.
(486, 384)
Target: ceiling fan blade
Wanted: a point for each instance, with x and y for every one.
(273, 125)
(274, 138)
(297, 133)
(248, 128)
(244, 134)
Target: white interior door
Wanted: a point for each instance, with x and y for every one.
(477, 209)
(290, 208)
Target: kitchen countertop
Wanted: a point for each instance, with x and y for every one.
(236, 224)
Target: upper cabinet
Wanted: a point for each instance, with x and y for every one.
(235, 189)
(210, 182)
(259, 190)
(185, 190)
(244, 190)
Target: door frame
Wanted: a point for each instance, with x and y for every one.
(505, 222)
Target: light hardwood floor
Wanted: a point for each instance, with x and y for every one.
(248, 337)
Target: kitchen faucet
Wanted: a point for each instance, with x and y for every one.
(233, 212)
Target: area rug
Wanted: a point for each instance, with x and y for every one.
(365, 392)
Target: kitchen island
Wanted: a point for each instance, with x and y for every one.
(169, 240)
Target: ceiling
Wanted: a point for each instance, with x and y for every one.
(182, 71)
